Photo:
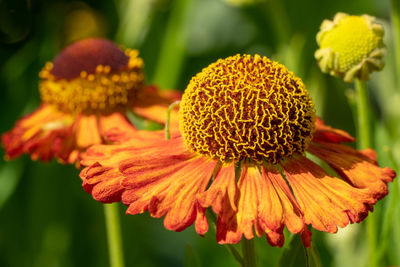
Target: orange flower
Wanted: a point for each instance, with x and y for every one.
(85, 92)
(246, 124)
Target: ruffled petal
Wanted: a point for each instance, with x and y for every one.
(152, 103)
(291, 214)
(358, 168)
(326, 201)
(326, 133)
(222, 193)
(167, 184)
(103, 183)
(102, 177)
(265, 205)
(36, 133)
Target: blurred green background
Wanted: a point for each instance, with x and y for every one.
(46, 219)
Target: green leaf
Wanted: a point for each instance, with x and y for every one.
(297, 255)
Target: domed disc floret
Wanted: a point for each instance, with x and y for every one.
(245, 107)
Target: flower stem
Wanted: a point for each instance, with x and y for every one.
(364, 141)
(395, 18)
(114, 235)
(364, 129)
(249, 252)
(167, 123)
(213, 218)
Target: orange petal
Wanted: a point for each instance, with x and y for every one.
(168, 186)
(142, 145)
(222, 194)
(200, 223)
(103, 183)
(115, 122)
(83, 133)
(87, 131)
(265, 205)
(135, 137)
(35, 133)
(152, 104)
(326, 201)
(291, 215)
(357, 168)
(72, 143)
(326, 133)
(102, 178)
(245, 219)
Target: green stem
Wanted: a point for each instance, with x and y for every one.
(172, 52)
(395, 17)
(249, 252)
(364, 123)
(364, 141)
(213, 218)
(167, 131)
(114, 235)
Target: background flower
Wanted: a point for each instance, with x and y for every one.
(87, 90)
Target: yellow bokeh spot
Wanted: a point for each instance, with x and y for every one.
(102, 91)
(245, 107)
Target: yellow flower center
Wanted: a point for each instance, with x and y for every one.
(352, 39)
(93, 75)
(245, 107)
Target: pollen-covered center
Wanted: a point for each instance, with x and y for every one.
(92, 75)
(352, 39)
(245, 107)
